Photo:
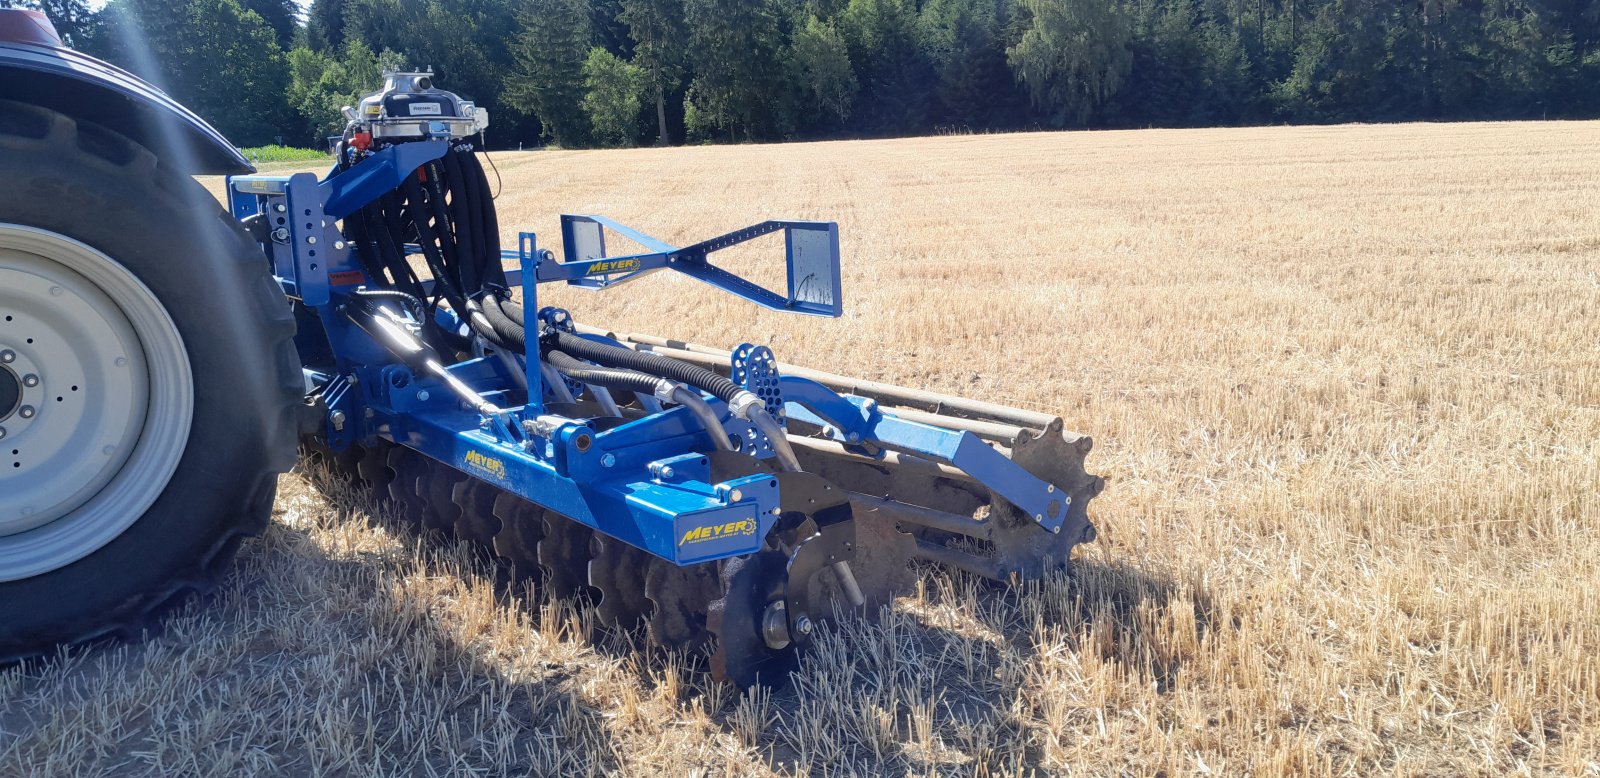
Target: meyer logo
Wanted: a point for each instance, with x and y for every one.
(612, 266)
(718, 531)
(485, 464)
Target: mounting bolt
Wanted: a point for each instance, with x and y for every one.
(8, 356)
(26, 412)
(280, 208)
(827, 429)
(311, 240)
(803, 625)
(30, 380)
(281, 235)
(1055, 531)
(338, 419)
(339, 244)
(1050, 488)
(423, 395)
(666, 472)
(608, 459)
(735, 496)
(2, 433)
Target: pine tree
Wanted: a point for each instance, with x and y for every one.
(897, 76)
(736, 53)
(548, 79)
(657, 29)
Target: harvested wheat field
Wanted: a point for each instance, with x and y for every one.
(1343, 382)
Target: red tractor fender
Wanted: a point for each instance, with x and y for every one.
(35, 68)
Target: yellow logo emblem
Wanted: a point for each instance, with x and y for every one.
(718, 531)
(486, 465)
(612, 266)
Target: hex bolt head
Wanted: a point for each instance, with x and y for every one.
(339, 244)
(608, 459)
(735, 496)
(338, 420)
(666, 472)
(280, 235)
(26, 412)
(280, 208)
(311, 240)
(423, 395)
(30, 380)
(804, 626)
(8, 356)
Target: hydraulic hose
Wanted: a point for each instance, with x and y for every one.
(654, 364)
(608, 377)
(508, 326)
(635, 381)
(418, 309)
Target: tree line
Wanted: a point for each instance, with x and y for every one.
(631, 72)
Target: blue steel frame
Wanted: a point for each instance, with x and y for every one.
(645, 481)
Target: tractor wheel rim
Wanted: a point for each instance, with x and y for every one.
(106, 397)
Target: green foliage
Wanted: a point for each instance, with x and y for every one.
(274, 153)
(212, 55)
(548, 79)
(896, 72)
(965, 39)
(659, 35)
(734, 70)
(614, 89)
(1074, 56)
(822, 62)
(321, 86)
(736, 52)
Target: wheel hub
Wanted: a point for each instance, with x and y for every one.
(96, 398)
(10, 392)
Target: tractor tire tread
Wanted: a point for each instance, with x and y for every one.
(26, 130)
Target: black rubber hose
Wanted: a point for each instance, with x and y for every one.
(646, 362)
(412, 301)
(510, 329)
(463, 228)
(429, 243)
(608, 377)
(494, 271)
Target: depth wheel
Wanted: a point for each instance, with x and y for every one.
(148, 380)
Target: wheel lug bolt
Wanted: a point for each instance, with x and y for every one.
(30, 380)
(2, 433)
(26, 412)
(8, 356)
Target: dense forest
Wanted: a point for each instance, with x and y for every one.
(630, 72)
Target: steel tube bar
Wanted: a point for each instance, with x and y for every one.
(925, 517)
(950, 557)
(930, 401)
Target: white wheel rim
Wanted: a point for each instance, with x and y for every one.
(103, 400)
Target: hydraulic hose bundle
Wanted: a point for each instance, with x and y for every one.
(445, 209)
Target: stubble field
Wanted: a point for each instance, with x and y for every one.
(1343, 383)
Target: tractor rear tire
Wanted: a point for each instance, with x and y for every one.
(155, 375)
